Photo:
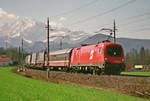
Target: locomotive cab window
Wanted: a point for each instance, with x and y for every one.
(114, 51)
(100, 50)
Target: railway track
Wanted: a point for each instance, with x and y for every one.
(87, 73)
(134, 75)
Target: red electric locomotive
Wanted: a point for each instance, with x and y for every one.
(104, 57)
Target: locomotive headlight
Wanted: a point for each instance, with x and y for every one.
(106, 60)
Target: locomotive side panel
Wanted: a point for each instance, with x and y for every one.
(75, 56)
(91, 55)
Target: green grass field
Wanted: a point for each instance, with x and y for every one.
(14, 87)
(142, 73)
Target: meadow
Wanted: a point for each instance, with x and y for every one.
(138, 73)
(14, 87)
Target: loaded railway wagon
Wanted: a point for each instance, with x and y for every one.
(40, 59)
(28, 60)
(104, 57)
(60, 58)
(33, 59)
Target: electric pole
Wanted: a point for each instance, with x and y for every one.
(61, 42)
(22, 52)
(48, 49)
(6, 44)
(47, 40)
(114, 32)
(19, 56)
(22, 48)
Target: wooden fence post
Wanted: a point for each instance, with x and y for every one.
(48, 74)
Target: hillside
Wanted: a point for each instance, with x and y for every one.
(127, 43)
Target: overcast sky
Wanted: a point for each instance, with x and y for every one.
(132, 16)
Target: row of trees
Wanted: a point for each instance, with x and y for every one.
(15, 55)
(138, 58)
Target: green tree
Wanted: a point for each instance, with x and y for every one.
(142, 57)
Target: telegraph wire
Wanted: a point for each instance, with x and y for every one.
(145, 29)
(73, 10)
(138, 30)
(106, 12)
(126, 19)
(137, 16)
(134, 17)
(136, 21)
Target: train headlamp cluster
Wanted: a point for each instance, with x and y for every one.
(106, 60)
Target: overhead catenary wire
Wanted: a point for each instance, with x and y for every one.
(106, 12)
(76, 9)
(137, 16)
(135, 21)
(137, 30)
(124, 20)
(144, 29)
(132, 20)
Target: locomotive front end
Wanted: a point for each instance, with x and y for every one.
(114, 59)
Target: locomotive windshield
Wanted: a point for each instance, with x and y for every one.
(114, 51)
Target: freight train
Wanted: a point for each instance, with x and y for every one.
(101, 58)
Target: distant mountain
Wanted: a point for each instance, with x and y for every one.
(13, 28)
(127, 43)
(94, 39)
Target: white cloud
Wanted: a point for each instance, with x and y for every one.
(29, 41)
(62, 33)
(62, 19)
(15, 35)
(55, 25)
(4, 14)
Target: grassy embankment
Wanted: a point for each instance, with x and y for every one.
(14, 87)
(139, 73)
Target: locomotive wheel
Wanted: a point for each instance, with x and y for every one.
(94, 71)
(99, 71)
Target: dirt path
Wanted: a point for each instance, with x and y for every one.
(134, 86)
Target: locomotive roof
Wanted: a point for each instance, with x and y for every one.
(63, 51)
(100, 43)
(109, 43)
